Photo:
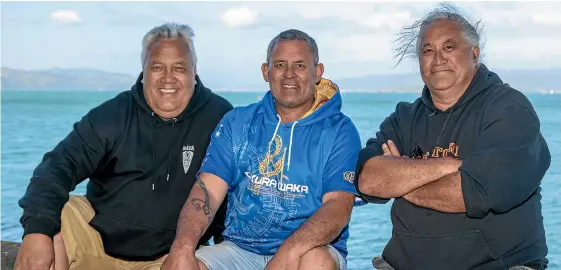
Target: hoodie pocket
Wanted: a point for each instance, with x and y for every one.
(130, 240)
(463, 250)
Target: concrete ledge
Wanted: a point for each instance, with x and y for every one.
(9, 254)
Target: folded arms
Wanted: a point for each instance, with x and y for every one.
(504, 168)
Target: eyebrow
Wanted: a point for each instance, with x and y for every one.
(296, 62)
(182, 62)
(448, 40)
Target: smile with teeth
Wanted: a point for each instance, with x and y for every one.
(289, 86)
(167, 90)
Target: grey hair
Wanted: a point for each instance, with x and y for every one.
(294, 34)
(409, 38)
(169, 31)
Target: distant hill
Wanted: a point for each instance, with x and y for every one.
(533, 80)
(407, 82)
(524, 80)
(96, 80)
(65, 80)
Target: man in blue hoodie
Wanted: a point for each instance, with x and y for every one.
(287, 166)
(467, 192)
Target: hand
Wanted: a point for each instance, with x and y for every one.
(180, 260)
(283, 261)
(390, 150)
(37, 252)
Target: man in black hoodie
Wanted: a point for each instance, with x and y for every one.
(141, 151)
(463, 162)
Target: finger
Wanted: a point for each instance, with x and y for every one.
(18, 263)
(386, 150)
(393, 149)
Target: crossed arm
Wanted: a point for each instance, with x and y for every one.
(500, 173)
(432, 183)
(443, 194)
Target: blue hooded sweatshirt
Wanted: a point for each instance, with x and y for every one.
(278, 173)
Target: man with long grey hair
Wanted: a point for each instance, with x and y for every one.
(141, 151)
(463, 162)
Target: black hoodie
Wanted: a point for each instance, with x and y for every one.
(495, 131)
(128, 153)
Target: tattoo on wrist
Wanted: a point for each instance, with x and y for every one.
(203, 205)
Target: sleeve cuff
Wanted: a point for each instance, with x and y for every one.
(218, 173)
(351, 190)
(41, 226)
(475, 207)
(368, 198)
(364, 155)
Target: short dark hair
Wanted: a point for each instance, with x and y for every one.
(294, 34)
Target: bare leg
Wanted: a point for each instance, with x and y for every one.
(61, 259)
(202, 266)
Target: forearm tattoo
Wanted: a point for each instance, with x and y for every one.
(203, 205)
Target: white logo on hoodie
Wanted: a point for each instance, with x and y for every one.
(188, 152)
(349, 176)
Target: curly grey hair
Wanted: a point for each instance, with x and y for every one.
(169, 31)
(409, 42)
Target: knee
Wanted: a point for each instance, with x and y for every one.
(58, 240)
(202, 266)
(61, 255)
(319, 258)
(59, 246)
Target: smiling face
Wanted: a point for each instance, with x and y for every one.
(169, 77)
(291, 74)
(447, 61)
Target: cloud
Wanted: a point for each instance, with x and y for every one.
(66, 16)
(360, 48)
(526, 48)
(547, 19)
(516, 14)
(354, 38)
(387, 17)
(393, 21)
(239, 17)
(363, 32)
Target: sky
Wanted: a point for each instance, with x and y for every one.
(231, 38)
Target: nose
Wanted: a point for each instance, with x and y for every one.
(168, 77)
(439, 58)
(289, 72)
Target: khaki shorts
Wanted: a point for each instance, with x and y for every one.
(84, 247)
